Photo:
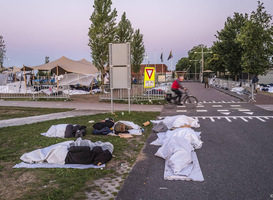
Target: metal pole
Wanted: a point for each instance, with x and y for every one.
(195, 72)
(129, 102)
(202, 65)
(112, 106)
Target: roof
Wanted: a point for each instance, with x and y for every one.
(67, 65)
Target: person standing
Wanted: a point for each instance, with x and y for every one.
(206, 81)
(177, 87)
(255, 81)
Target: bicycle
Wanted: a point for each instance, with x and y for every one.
(188, 100)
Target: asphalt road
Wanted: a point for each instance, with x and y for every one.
(236, 157)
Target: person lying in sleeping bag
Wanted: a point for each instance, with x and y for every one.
(104, 127)
(84, 155)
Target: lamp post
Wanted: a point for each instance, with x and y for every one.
(146, 57)
(195, 68)
(202, 60)
(8, 61)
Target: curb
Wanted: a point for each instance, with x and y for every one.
(230, 93)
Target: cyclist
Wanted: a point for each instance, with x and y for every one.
(177, 87)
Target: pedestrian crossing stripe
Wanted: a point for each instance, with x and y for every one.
(225, 102)
(217, 106)
(229, 118)
(244, 110)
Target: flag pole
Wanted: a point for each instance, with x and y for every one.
(154, 60)
(161, 61)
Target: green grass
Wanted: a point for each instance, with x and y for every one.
(60, 183)
(16, 112)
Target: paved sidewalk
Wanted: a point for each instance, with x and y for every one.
(47, 117)
(81, 109)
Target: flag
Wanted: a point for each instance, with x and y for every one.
(161, 57)
(170, 55)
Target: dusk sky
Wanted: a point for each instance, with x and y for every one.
(34, 29)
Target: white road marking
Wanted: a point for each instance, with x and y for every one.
(181, 106)
(228, 119)
(222, 110)
(217, 106)
(244, 119)
(235, 105)
(205, 102)
(225, 113)
(244, 110)
(201, 110)
(249, 113)
(200, 106)
(260, 119)
(181, 111)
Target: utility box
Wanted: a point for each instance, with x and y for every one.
(120, 65)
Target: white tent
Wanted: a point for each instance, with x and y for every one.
(78, 72)
(63, 64)
(94, 69)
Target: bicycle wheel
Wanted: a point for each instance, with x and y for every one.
(190, 102)
(170, 104)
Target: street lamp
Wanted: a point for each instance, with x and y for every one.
(7, 61)
(195, 68)
(202, 60)
(146, 57)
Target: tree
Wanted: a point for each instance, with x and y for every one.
(137, 51)
(257, 42)
(124, 30)
(101, 32)
(183, 64)
(47, 59)
(2, 51)
(227, 47)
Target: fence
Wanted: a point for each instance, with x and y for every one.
(34, 92)
(228, 84)
(137, 92)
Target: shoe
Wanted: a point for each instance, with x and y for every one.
(180, 104)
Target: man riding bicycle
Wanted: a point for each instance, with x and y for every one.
(177, 87)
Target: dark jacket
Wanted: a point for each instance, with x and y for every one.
(83, 155)
(106, 123)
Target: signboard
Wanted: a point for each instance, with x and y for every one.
(149, 77)
(120, 65)
(161, 78)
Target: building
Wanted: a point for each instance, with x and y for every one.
(159, 68)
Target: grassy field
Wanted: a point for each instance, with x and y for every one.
(16, 112)
(59, 183)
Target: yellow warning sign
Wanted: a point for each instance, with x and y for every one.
(149, 77)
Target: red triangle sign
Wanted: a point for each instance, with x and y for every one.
(149, 72)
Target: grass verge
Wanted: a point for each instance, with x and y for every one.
(62, 183)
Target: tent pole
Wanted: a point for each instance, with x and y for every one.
(92, 85)
(33, 78)
(25, 78)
